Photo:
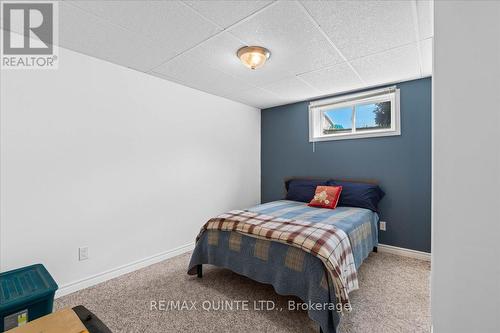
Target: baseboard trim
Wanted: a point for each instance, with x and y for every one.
(124, 269)
(400, 251)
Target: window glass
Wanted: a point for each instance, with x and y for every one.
(337, 121)
(373, 116)
(363, 115)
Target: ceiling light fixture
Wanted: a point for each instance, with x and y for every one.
(253, 56)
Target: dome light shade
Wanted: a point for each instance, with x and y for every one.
(253, 56)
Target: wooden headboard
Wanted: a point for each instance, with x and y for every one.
(365, 181)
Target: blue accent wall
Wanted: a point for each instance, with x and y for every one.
(401, 164)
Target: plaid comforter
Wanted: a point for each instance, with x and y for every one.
(324, 241)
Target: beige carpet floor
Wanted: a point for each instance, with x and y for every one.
(393, 297)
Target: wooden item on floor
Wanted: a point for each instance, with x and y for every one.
(62, 321)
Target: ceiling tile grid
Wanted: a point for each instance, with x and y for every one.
(83, 32)
(219, 52)
(195, 74)
(258, 97)
(296, 44)
(317, 47)
(340, 77)
(389, 66)
(227, 12)
(164, 22)
(349, 23)
(292, 89)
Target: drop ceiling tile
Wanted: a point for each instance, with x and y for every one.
(360, 28)
(295, 43)
(426, 52)
(220, 53)
(292, 89)
(257, 97)
(226, 13)
(144, 35)
(88, 34)
(198, 75)
(169, 23)
(394, 65)
(334, 79)
(425, 18)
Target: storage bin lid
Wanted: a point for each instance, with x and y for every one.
(24, 285)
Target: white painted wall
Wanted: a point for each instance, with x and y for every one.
(94, 154)
(466, 167)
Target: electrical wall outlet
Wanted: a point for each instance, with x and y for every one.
(83, 253)
(382, 225)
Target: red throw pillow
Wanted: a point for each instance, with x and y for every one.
(326, 197)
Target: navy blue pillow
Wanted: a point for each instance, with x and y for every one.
(358, 194)
(302, 189)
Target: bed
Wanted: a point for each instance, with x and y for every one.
(291, 271)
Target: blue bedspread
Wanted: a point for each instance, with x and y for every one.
(289, 270)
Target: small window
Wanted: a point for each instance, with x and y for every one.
(370, 114)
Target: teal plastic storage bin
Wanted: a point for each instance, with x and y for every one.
(25, 294)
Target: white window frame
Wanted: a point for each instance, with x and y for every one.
(317, 108)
